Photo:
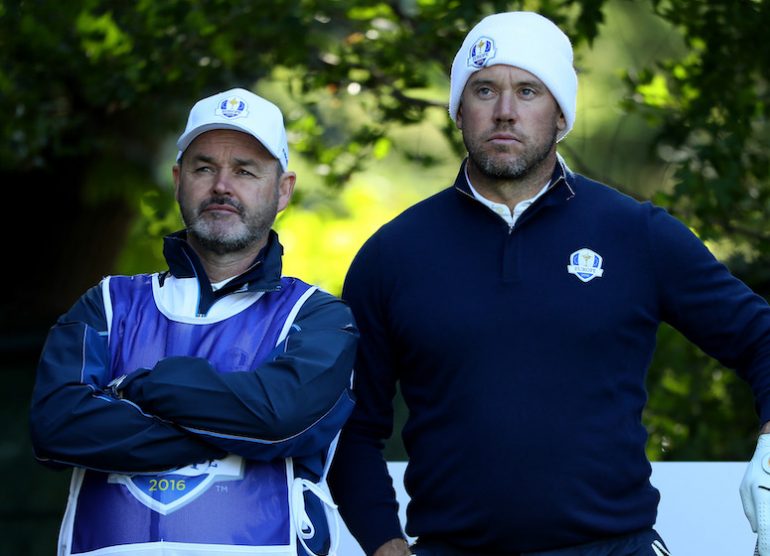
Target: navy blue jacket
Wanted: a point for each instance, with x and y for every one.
(293, 404)
(522, 355)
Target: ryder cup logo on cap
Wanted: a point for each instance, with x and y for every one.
(525, 40)
(481, 51)
(233, 107)
(238, 110)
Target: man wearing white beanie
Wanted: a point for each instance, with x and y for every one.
(517, 313)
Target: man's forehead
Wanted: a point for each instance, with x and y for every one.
(232, 140)
(503, 71)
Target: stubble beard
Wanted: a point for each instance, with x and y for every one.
(220, 235)
(501, 165)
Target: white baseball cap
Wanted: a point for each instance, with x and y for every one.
(525, 40)
(238, 110)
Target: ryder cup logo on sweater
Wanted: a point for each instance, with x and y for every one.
(481, 51)
(585, 264)
(170, 490)
(233, 107)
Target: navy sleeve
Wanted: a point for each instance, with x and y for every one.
(294, 404)
(710, 306)
(72, 421)
(359, 478)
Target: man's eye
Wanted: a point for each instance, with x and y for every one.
(203, 169)
(484, 91)
(245, 173)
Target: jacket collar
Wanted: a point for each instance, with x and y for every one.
(264, 274)
(562, 183)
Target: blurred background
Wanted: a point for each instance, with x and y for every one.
(673, 107)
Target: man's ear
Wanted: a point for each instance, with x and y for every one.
(285, 189)
(459, 118)
(176, 172)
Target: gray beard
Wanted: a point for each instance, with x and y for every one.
(256, 228)
(510, 168)
(224, 245)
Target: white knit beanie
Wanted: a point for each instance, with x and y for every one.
(527, 41)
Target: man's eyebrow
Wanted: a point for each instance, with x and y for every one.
(245, 162)
(489, 81)
(236, 161)
(531, 84)
(203, 158)
(481, 81)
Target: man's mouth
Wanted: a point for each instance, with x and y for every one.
(502, 137)
(220, 207)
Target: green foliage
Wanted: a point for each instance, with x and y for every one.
(94, 93)
(391, 54)
(697, 409)
(121, 75)
(127, 72)
(712, 108)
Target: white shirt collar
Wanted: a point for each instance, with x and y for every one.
(502, 210)
(219, 285)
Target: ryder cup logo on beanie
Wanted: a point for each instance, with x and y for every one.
(481, 51)
(238, 110)
(527, 41)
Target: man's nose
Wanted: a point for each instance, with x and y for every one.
(505, 107)
(222, 185)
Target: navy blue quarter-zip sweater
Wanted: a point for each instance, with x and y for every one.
(522, 354)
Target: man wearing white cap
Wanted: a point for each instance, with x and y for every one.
(198, 407)
(517, 312)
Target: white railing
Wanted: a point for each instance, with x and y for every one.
(700, 511)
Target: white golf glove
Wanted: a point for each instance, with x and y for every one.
(755, 494)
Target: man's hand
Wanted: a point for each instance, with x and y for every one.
(755, 493)
(394, 547)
